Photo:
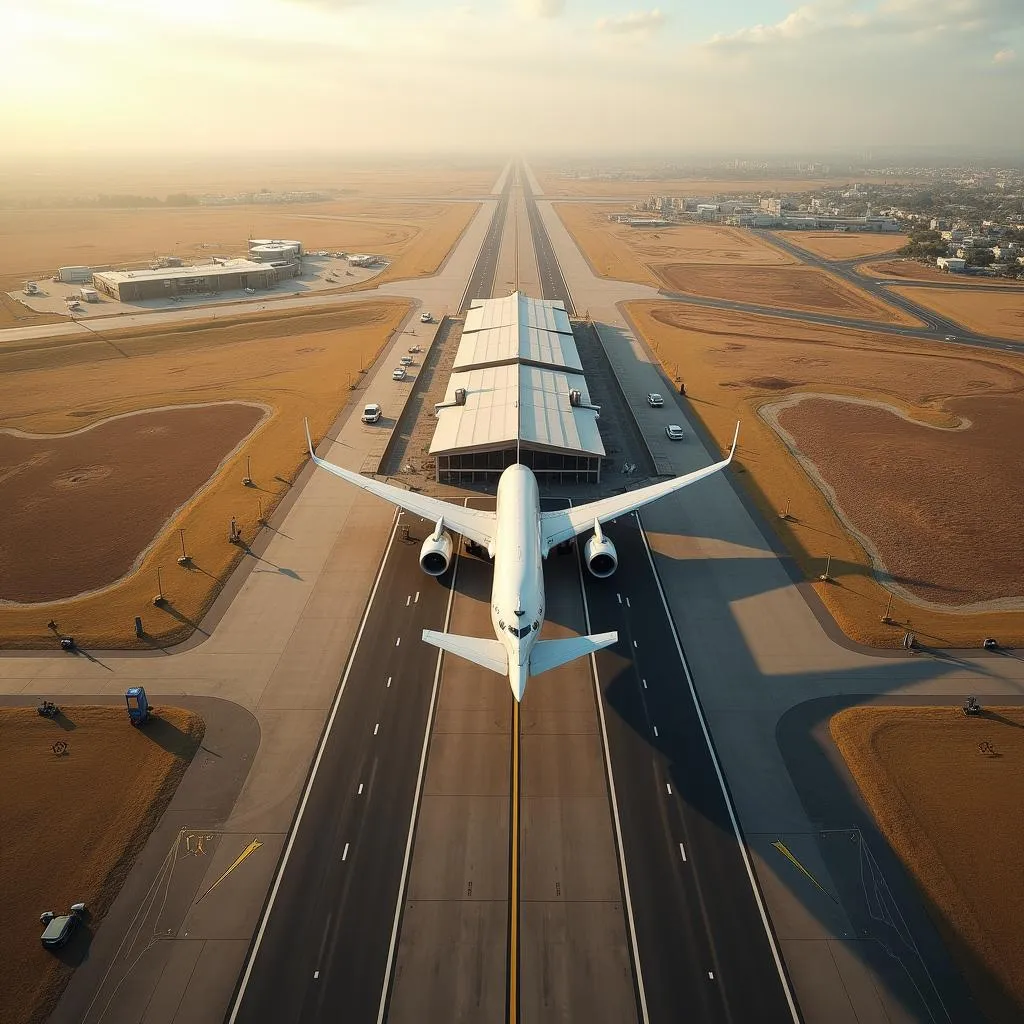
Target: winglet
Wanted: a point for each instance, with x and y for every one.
(735, 438)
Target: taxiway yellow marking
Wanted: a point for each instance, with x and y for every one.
(250, 849)
(787, 853)
(513, 909)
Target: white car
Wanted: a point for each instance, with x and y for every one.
(398, 373)
(655, 401)
(426, 318)
(371, 413)
(406, 360)
(674, 432)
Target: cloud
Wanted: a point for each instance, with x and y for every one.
(634, 22)
(543, 8)
(1004, 56)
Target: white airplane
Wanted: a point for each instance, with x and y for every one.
(518, 536)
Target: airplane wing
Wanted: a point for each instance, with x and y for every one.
(567, 523)
(472, 523)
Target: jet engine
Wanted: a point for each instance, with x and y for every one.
(436, 553)
(599, 554)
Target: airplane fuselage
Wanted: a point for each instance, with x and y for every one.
(517, 594)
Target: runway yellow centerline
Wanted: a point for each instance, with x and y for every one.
(513, 907)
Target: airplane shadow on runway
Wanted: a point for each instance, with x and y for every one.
(876, 900)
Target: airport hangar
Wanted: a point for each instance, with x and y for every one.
(224, 275)
(517, 390)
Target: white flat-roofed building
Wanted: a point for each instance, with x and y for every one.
(511, 343)
(517, 388)
(130, 285)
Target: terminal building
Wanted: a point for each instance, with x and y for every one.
(517, 385)
(164, 282)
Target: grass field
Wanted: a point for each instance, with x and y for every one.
(946, 792)
(845, 245)
(935, 494)
(634, 254)
(415, 235)
(997, 312)
(555, 184)
(72, 829)
(781, 287)
(297, 364)
(733, 363)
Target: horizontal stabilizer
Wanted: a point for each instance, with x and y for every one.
(549, 654)
(487, 653)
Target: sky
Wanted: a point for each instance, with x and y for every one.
(566, 77)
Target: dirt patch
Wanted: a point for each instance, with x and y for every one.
(151, 463)
(781, 287)
(995, 312)
(946, 792)
(297, 364)
(845, 245)
(921, 497)
(733, 363)
(629, 254)
(416, 236)
(72, 829)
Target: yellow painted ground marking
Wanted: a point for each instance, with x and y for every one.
(250, 849)
(785, 851)
(513, 909)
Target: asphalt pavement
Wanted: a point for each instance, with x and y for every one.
(326, 947)
(704, 944)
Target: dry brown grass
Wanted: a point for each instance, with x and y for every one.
(415, 235)
(555, 184)
(934, 495)
(845, 245)
(733, 363)
(634, 254)
(78, 486)
(996, 312)
(298, 364)
(950, 807)
(72, 827)
(782, 288)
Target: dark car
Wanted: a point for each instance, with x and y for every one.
(60, 928)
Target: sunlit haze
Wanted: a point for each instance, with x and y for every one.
(492, 76)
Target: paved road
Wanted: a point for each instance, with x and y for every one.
(325, 949)
(936, 323)
(704, 948)
(481, 282)
(551, 279)
(704, 952)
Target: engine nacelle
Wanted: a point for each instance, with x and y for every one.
(600, 556)
(436, 553)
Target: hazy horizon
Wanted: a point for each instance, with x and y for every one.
(557, 77)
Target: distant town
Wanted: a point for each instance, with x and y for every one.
(961, 219)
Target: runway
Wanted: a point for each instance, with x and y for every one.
(323, 953)
(572, 858)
